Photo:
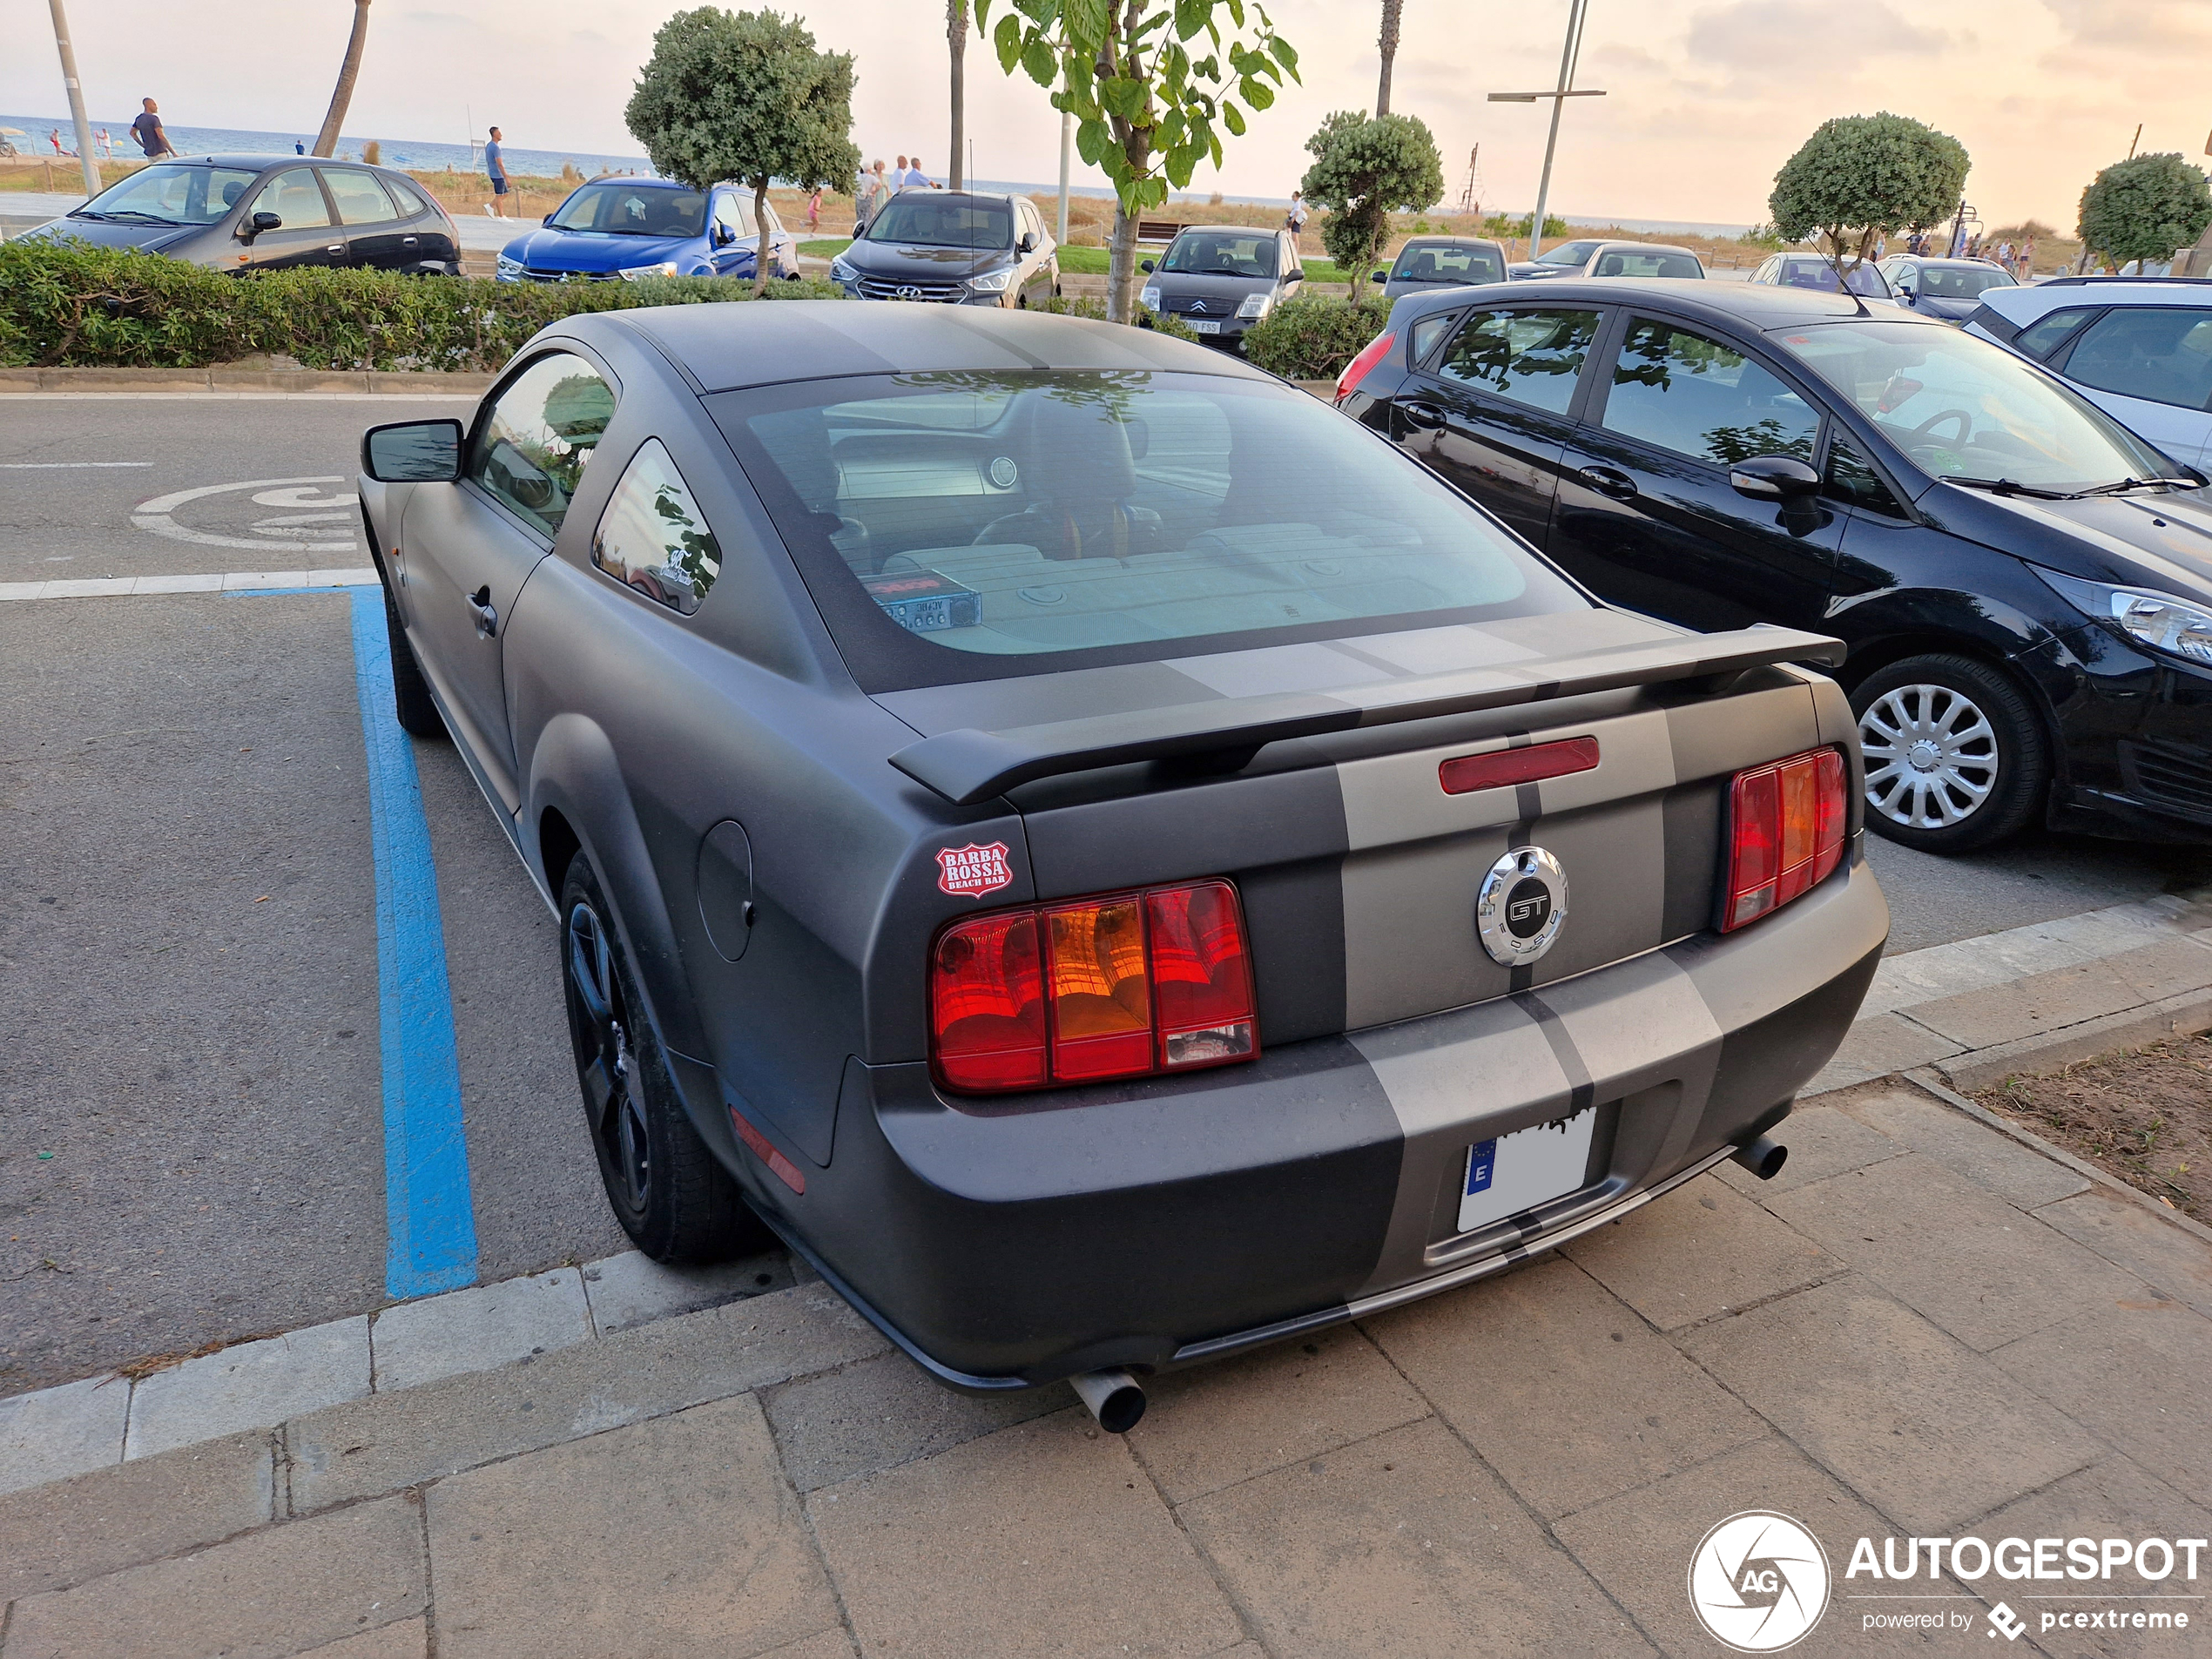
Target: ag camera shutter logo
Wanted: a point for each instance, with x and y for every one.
(1758, 1582)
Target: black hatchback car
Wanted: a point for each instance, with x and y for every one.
(263, 213)
(2024, 586)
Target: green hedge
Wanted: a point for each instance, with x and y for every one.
(1312, 337)
(75, 306)
(1094, 306)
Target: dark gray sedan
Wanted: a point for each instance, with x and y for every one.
(266, 214)
(1077, 836)
(1427, 262)
(1222, 279)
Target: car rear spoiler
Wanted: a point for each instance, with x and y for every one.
(966, 765)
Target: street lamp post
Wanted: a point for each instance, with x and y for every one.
(76, 103)
(1577, 11)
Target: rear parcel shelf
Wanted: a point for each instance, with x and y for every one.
(966, 765)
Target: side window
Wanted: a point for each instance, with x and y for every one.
(1851, 478)
(1697, 397)
(410, 202)
(1531, 357)
(2159, 353)
(359, 197)
(653, 537)
(294, 197)
(531, 450)
(2038, 340)
(1427, 333)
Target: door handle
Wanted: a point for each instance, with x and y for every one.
(409, 242)
(487, 618)
(1607, 481)
(1427, 416)
(335, 247)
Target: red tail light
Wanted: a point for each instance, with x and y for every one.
(1786, 833)
(1117, 986)
(1355, 371)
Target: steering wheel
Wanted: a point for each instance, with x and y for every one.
(1926, 428)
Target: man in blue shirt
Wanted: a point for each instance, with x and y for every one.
(495, 165)
(148, 131)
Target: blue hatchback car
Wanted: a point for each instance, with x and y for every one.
(641, 227)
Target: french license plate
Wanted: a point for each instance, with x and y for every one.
(1205, 324)
(1518, 1171)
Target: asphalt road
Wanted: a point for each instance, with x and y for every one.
(192, 1133)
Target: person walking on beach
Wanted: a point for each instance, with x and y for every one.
(147, 130)
(495, 168)
(1294, 221)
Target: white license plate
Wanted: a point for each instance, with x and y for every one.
(1518, 1171)
(1204, 325)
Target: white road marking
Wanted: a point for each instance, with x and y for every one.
(157, 516)
(208, 582)
(49, 466)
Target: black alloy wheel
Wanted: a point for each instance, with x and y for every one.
(670, 1193)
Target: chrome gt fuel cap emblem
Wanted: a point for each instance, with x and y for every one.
(1521, 905)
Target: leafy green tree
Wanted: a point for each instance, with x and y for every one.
(1860, 177)
(1365, 169)
(1150, 98)
(743, 95)
(2145, 208)
(1499, 225)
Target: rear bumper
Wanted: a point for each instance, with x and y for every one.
(1158, 1225)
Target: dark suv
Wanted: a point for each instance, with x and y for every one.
(262, 214)
(2024, 586)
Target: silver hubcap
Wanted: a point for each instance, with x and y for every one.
(1932, 756)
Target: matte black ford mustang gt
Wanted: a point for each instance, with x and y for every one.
(1112, 860)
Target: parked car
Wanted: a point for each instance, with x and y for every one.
(265, 213)
(1814, 271)
(1427, 262)
(1611, 260)
(1114, 863)
(628, 228)
(1945, 288)
(952, 247)
(2139, 350)
(2025, 587)
(1222, 279)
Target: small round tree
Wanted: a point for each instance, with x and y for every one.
(743, 95)
(1863, 176)
(1364, 171)
(2145, 208)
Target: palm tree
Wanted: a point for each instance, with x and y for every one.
(956, 36)
(348, 72)
(1389, 44)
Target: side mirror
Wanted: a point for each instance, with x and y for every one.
(257, 223)
(1296, 273)
(1146, 265)
(724, 235)
(412, 452)
(1027, 244)
(1772, 478)
(548, 219)
(1379, 276)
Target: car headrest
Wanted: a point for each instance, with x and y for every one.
(1082, 452)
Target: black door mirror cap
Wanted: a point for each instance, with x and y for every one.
(412, 452)
(1027, 244)
(254, 224)
(1146, 265)
(1772, 477)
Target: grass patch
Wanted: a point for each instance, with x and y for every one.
(1092, 261)
(827, 247)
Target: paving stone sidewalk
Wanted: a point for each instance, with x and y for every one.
(1921, 1326)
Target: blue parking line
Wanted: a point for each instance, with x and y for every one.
(429, 1217)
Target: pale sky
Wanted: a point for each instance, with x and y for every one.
(1706, 97)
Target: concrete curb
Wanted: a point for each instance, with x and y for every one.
(219, 379)
(2187, 1016)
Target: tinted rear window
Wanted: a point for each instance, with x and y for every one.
(966, 526)
(1447, 264)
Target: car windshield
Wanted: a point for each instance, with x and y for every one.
(1961, 281)
(615, 209)
(947, 522)
(1222, 253)
(927, 218)
(1962, 408)
(1820, 276)
(1647, 262)
(1442, 262)
(173, 194)
(1568, 253)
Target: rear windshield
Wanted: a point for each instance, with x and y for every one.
(1819, 274)
(1222, 253)
(962, 526)
(1640, 262)
(633, 209)
(1447, 264)
(1960, 282)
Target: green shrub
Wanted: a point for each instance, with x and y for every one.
(1312, 337)
(63, 305)
(1094, 306)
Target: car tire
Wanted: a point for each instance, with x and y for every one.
(670, 1194)
(411, 700)
(1956, 757)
